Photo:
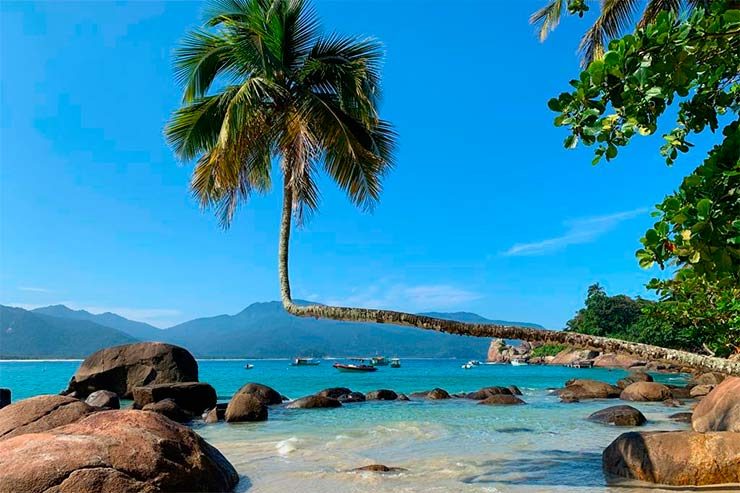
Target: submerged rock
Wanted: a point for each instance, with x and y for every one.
(245, 407)
(646, 391)
(676, 458)
(193, 397)
(381, 395)
(314, 402)
(352, 397)
(104, 398)
(619, 416)
(402, 397)
(720, 409)
(114, 452)
(39, 414)
(335, 392)
(487, 392)
(502, 400)
(267, 395)
(681, 417)
(121, 368)
(434, 394)
(378, 468)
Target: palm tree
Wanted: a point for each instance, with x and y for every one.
(615, 17)
(260, 84)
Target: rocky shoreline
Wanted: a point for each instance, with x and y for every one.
(37, 435)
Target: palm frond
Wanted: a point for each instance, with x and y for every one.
(201, 57)
(655, 7)
(615, 17)
(547, 18)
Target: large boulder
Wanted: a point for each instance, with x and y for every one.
(193, 397)
(583, 388)
(104, 398)
(570, 355)
(354, 397)
(168, 407)
(121, 368)
(645, 391)
(4, 397)
(314, 402)
(487, 392)
(498, 351)
(114, 452)
(434, 394)
(381, 395)
(711, 378)
(501, 400)
(635, 376)
(245, 407)
(40, 413)
(267, 395)
(677, 458)
(720, 409)
(335, 392)
(619, 416)
(615, 360)
(699, 391)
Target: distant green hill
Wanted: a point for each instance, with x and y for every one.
(262, 330)
(25, 334)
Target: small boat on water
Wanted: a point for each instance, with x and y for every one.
(395, 363)
(379, 361)
(518, 362)
(350, 367)
(474, 362)
(467, 366)
(248, 366)
(305, 362)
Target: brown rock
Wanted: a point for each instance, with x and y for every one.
(121, 368)
(719, 410)
(314, 402)
(353, 397)
(672, 403)
(680, 392)
(378, 468)
(216, 414)
(335, 392)
(104, 398)
(677, 458)
(583, 388)
(245, 407)
(114, 452)
(169, 408)
(701, 390)
(635, 376)
(193, 397)
(514, 390)
(613, 360)
(402, 397)
(434, 394)
(711, 378)
(681, 417)
(381, 395)
(267, 395)
(40, 413)
(619, 416)
(502, 400)
(486, 392)
(498, 352)
(645, 391)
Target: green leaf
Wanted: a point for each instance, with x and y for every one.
(703, 207)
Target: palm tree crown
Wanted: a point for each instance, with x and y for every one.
(262, 82)
(615, 16)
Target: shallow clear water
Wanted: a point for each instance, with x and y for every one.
(453, 445)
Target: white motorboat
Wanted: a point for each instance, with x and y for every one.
(518, 362)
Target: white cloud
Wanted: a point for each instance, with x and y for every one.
(579, 231)
(404, 297)
(32, 289)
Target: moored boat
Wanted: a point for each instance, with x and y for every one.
(248, 366)
(518, 362)
(305, 362)
(354, 368)
(395, 363)
(379, 361)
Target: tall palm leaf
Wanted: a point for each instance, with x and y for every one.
(615, 17)
(261, 83)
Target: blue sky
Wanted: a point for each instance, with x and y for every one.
(484, 212)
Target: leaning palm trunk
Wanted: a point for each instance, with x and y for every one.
(708, 363)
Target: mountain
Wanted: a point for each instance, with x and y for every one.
(266, 330)
(25, 334)
(262, 330)
(139, 330)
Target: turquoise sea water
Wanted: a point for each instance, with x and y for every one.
(453, 445)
